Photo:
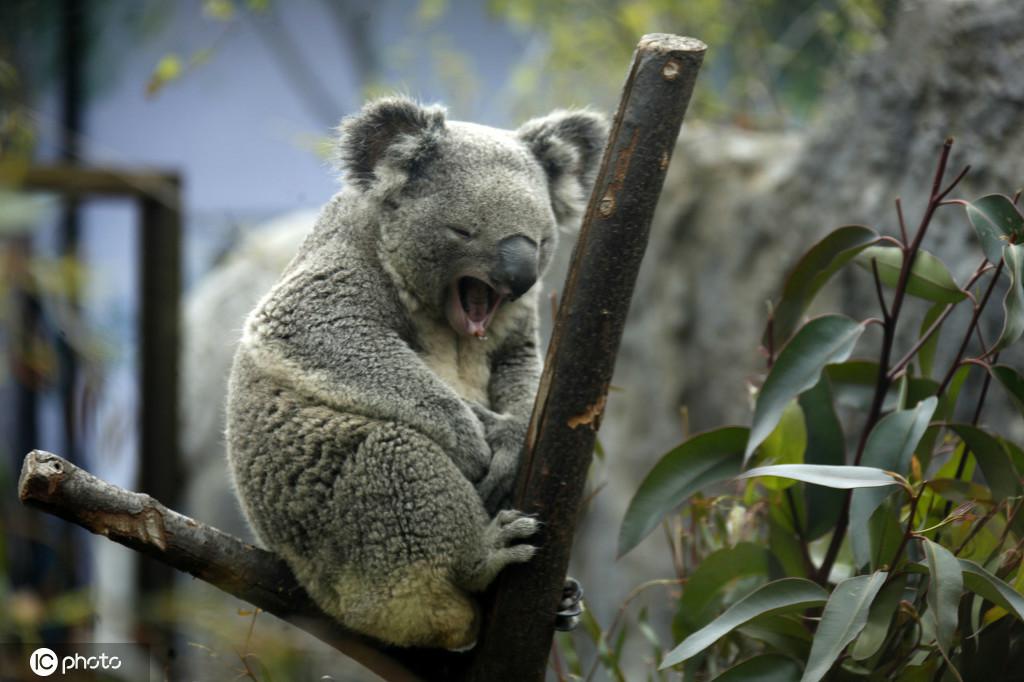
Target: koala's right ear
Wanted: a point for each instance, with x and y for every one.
(568, 145)
(395, 132)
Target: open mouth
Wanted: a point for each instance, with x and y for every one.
(472, 303)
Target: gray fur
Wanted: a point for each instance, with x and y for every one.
(371, 440)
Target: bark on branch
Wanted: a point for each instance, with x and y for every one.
(521, 616)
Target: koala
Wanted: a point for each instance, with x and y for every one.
(380, 394)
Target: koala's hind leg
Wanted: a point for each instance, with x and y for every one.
(424, 542)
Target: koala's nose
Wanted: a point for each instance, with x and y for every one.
(517, 265)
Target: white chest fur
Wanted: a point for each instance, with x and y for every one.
(460, 362)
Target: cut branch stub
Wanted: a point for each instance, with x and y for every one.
(573, 390)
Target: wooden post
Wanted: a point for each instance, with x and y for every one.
(520, 623)
(160, 470)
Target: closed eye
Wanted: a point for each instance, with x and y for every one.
(465, 234)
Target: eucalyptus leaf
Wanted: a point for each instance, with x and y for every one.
(945, 585)
(810, 273)
(996, 221)
(980, 581)
(825, 445)
(890, 446)
(704, 587)
(699, 462)
(845, 615)
(763, 668)
(993, 459)
(779, 596)
(1013, 382)
(823, 340)
(1013, 302)
(786, 444)
(875, 631)
(844, 477)
(929, 278)
(926, 355)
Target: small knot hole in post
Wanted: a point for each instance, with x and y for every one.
(607, 205)
(671, 69)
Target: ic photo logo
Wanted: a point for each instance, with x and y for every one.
(43, 662)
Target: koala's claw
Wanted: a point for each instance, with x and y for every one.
(510, 526)
(570, 607)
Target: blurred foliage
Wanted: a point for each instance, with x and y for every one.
(173, 65)
(768, 60)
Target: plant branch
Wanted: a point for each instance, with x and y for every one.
(970, 330)
(902, 222)
(907, 533)
(878, 290)
(883, 381)
(905, 360)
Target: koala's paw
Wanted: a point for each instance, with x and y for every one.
(506, 435)
(505, 535)
(496, 487)
(570, 607)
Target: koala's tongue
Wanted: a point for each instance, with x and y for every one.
(476, 301)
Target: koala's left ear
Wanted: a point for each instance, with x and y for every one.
(568, 145)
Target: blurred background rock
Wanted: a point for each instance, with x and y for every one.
(807, 115)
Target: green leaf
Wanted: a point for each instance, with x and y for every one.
(1013, 382)
(880, 616)
(884, 533)
(1013, 302)
(923, 672)
(890, 446)
(853, 384)
(958, 491)
(980, 581)
(703, 589)
(780, 596)
(929, 278)
(787, 443)
(783, 633)
(168, 69)
(607, 656)
(845, 615)
(945, 585)
(821, 341)
(825, 445)
(219, 10)
(996, 221)
(763, 668)
(810, 273)
(783, 541)
(844, 477)
(926, 355)
(699, 462)
(994, 461)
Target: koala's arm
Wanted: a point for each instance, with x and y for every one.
(515, 374)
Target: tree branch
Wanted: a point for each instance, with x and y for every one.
(138, 521)
(520, 621)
